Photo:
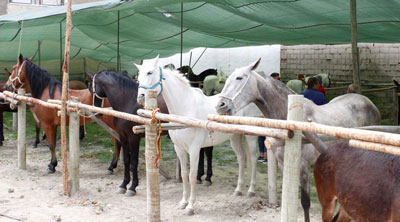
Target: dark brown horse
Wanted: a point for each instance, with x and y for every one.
(42, 85)
(121, 91)
(4, 107)
(365, 183)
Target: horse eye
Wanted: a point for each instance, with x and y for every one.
(149, 73)
(239, 78)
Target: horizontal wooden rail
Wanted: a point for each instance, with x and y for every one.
(8, 99)
(105, 111)
(340, 132)
(375, 147)
(164, 126)
(210, 125)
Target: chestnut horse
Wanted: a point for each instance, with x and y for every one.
(365, 183)
(44, 86)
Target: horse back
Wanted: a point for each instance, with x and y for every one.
(366, 183)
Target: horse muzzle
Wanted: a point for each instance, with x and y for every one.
(140, 98)
(8, 87)
(225, 107)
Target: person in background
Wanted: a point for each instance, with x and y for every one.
(321, 88)
(275, 75)
(263, 150)
(312, 92)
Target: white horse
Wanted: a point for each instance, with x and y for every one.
(183, 100)
(245, 86)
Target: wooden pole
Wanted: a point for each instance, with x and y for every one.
(394, 150)
(21, 146)
(272, 175)
(64, 96)
(152, 173)
(396, 104)
(74, 150)
(291, 163)
(335, 131)
(15, 122)
(354, 47)
(210, 125)
(181, 33)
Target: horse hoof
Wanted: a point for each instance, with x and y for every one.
(130, 193)
(109, 172)
(199, 182)
(51, 170)
(207, 183)
(183, 205)
(238, 193)
(121, 191)
(251, 194)
(189, 211)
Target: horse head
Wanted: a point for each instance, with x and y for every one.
(95, 89)
(149, 77)
(239, 89)
(17, 77)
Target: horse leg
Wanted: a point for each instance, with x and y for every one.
(114, 161)
(200, 171)
(209, 152)
(127, 176)
(37, 140)
(81, 132)
(252, 146)
(342, 216)
(183, 158)
(236, 143)
(194, 159)
(325, 184)
(134, 146)
(51, 132)
(305, 190)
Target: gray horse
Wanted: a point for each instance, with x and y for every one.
(245, 86)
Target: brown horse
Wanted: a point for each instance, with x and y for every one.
(42, 85)
(365, 183)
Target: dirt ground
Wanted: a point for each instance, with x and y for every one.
(35, 195)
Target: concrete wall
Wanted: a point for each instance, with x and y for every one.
(3, 7)
(379, 63)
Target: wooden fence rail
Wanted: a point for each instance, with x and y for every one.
(340, 132)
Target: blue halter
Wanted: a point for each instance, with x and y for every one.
(155, 84)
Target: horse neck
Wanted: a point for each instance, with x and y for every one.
(273, 98)
(177, 94)
(121, 99)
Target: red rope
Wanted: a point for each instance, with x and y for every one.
(158, 140)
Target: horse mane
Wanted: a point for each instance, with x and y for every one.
(41, 79)
(123, 80)
(178, 75)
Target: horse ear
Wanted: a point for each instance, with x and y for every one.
(7, 72)
(89, 76)
(254, 65)
(138, 66)
(20, 59)
(156, 59)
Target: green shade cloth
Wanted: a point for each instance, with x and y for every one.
(148, 28)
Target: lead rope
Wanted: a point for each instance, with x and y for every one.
(158, 140)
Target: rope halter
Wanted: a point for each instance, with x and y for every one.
(95, 94)
(18, 77)
(232, 99)
(155, 84)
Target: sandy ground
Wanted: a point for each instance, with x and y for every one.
(34, 195)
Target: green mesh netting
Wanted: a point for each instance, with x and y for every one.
(148, 28)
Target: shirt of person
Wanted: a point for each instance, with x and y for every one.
(315, 96)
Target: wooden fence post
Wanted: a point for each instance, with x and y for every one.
(291, 163)
(21, 144)
(396, 103)
(74, 151)
(272, 172)
(152, 173)
(15, 122)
